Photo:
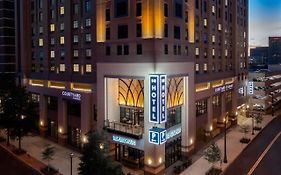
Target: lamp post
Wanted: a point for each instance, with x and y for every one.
(272, 106)
(225, 156)
(71, 156)
(253, 131)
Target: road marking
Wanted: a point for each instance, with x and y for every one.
(263, 154)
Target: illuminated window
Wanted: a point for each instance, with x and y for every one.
(205, 67)
(62, 26)
(41, 42)
(205, 22)
(52, 54)
(197, 67)
(52, 41)
(52, 27)
(62, 10)
(196, 51)
(226, 2)
(226, 52)
(88, 37)
(75, 38)
(213, 38)
(88, 22)
(75, 53)
(88, 52)
(62, 40)
(40, 29)
(201, 107)
(62, 67)
(219, 27)
(75, 24)
(75, 67)
(213, 52)
(213, 9)
(88, 68)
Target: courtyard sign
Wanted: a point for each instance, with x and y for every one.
(72, 95)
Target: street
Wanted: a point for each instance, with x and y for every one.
(9, 165)
(252, 157)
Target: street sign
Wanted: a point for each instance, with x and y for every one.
(157, 136)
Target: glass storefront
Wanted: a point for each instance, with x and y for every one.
(174, 116)
(74, 137)
(131, 115)
(130, 157)
(172, 151)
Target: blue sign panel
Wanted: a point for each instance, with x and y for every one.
(162, 100)
(157, 136)
(157, 99)
(153, 98)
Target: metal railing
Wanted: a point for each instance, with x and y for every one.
(125, 128)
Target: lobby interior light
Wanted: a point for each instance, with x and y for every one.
(160, 160)
(60, 130)
(84, 139)
(149, 161)
(191, 141)
(211, 128)
(41, 123)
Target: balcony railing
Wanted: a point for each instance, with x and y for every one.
(130, 130)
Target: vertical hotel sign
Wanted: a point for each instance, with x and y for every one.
(157, 98)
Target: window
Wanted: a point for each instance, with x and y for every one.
(197, 67)
(40, 15)
(126, 49)
(213, 9)
(88, 22)
(40, 29)
(88, 68)
(62, 26)
(62, 40)
(122, 31)
(62, 54)
(52, 54)
(88, 52)
(178, 8)
(41, 42)
(52, 27)
(205, 67)
(216, 101)
(213, 52)
(88, 37)
(107, 14)
(166, 31)
(139, 9)
(205, 22)
(166, 49)
(139, 30)
(166, 10)
(52, 41)
(75, 67)
(62, 10)
(75, 53)
(119, 49)
(213, 38)
(53, 14)
(107, 50)
(228, 97)
(75, 24)
(62, 67)
(177, 32)
(75, 39)
(52, 68)
(121, 8)
(201, 107)
(219, 27)
(197, 51)
(88, 5)
(107, 33)
(76, 8)
(139, 49)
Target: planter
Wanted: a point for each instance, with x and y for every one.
(19, 151)
(245, 140)
(52, 171)
(257, 128)
(213, 171)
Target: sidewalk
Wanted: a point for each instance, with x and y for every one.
(233, 147)
(34, 145)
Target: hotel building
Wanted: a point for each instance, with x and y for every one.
(156, 74)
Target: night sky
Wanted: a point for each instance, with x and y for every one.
(265, 21)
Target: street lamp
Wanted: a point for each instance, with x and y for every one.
(71, 156)
(225, 156)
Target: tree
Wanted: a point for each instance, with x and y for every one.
(48, 154)
(212, 154)
(95, 157)
(17, 114)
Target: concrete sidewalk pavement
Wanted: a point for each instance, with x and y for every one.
(233, 147)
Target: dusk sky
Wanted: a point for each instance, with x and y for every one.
(265, 21)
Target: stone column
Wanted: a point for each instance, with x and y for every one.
(209, 126)
(43, 122)
(188, 116)
(62, 121)
(86, 115)
(222, 107)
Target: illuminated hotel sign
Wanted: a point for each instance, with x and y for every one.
(251, 87)
(157, 99)
(173, 133)
(157, 136)
(73, 95)
(124, 140)
(224, 88)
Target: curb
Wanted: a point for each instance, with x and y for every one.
(18, 158)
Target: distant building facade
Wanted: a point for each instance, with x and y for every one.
(274, 50)
(258, 58)
(7, 44)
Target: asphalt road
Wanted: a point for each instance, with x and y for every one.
(271, 162)
(9, 165)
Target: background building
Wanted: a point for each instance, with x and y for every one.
(274, 50)
(258, 58)
(7, 44)
(89, 66)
